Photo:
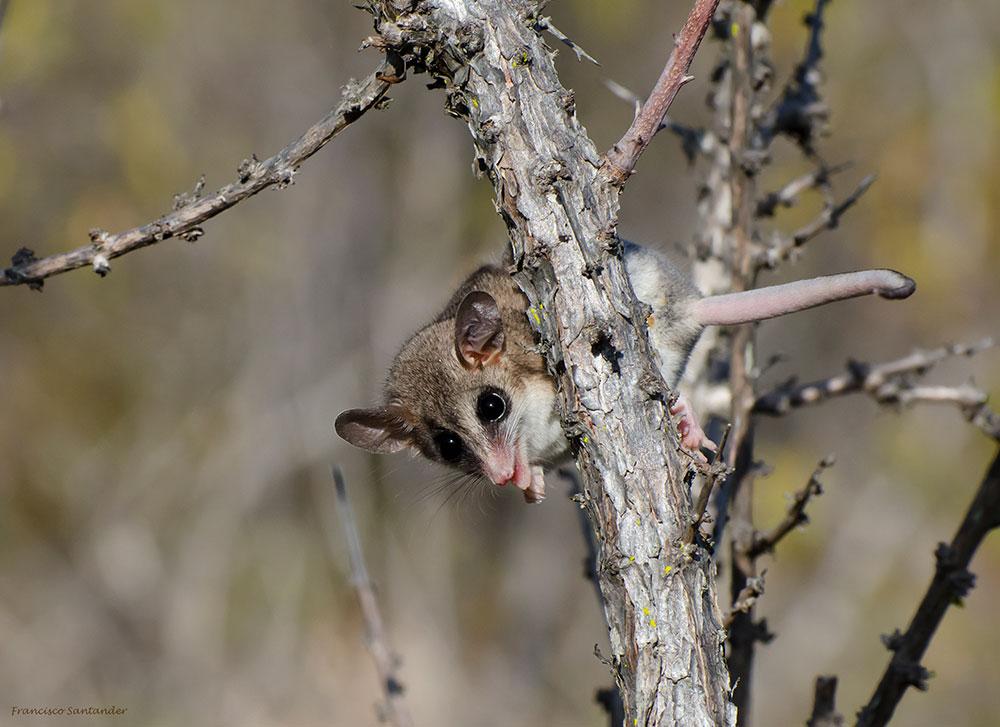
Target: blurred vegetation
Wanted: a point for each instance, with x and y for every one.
(167, 430)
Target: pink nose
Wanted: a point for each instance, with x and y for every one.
(502, 477)
(498, 470)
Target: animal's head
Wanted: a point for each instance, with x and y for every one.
(467, 391)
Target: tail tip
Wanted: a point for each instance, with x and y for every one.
(899, 287)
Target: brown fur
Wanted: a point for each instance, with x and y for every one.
(434, 391)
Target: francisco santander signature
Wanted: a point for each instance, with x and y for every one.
(111, 710)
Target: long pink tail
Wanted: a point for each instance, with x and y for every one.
(777, 300)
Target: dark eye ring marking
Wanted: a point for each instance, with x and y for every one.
(449, 445)
(491, 407)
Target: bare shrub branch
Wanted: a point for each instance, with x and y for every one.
(394, 708)
(891, 383)
(952, 581)
(622, 157)
(796, 515)
(185, 219)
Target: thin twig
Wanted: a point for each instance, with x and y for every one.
(620, 160)
(394, 709)
(951, 583)
(784, 248)
(691, 137)
(185, 221)
(891, 383)
(794, 517)
(745, 599)
(788, 195)
(581, 54)
(717, 472)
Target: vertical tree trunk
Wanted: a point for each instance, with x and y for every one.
(560, 206)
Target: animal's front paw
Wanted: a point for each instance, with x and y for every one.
(693, 437)
(536, 490)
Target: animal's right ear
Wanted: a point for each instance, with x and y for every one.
(479, 338)
(382, 430)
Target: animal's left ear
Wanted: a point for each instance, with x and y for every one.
(479, 338)
(383, 429)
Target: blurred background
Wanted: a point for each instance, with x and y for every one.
(167, 540)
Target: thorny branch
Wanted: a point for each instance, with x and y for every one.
(509, 68)
(796, 515)
(622, 157)
(560, 202)
(394, 708)
(581, 54)
(951, 583)
(891, 383)
(186, 218)
(784, 248)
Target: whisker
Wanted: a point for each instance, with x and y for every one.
(435, 487)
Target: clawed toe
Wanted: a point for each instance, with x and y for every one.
(693, 437)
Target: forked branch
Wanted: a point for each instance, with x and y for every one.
(892, 383)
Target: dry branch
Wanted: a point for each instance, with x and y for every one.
(889, 383)
(394, 708)
(622, 157)
(745, 585)
(746, 599)
(581, 54)
(788, 195)
(186, 218)
(800, 112)
(784, 247)
(796, 515)
(714, 475)
(951, 583)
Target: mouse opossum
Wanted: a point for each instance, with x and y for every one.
(469, 389)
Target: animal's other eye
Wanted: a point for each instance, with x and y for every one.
(449, 445)
(491, 407)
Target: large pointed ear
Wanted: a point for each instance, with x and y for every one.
(479, 338)
(382, 430)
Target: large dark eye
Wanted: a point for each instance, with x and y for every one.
(491, 407)
(449, 445)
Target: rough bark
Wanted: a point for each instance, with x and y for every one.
(560, 206)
